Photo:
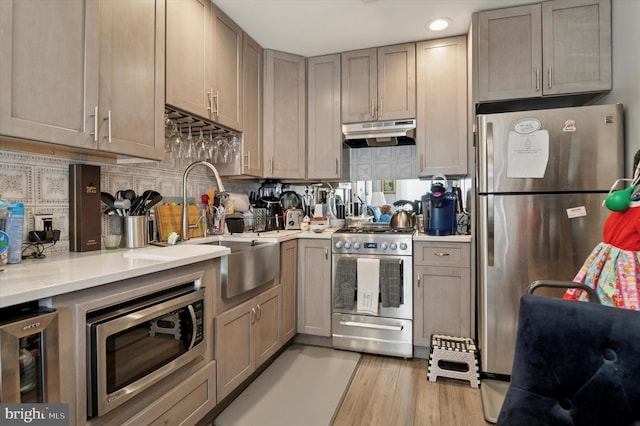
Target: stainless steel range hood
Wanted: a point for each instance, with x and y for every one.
(380, 133)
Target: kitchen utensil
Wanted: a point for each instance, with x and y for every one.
(153, 201)
(402, 220)
(235, 224)
(108, 199)
(293, 218)
(290, 200)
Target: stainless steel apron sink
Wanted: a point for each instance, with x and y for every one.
(250, 264)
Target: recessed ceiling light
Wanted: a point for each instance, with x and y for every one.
(438, 24)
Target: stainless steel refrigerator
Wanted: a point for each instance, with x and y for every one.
(541, 179)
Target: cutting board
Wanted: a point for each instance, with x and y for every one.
(170, 220)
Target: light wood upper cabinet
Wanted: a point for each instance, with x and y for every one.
(441, 83)
(47, 102)
(324, 128)
(252, 161)
(557, 47)
(131, 78)
(284, 113)
(379, 83)
(228, 76)
(92, 87)
(204, 62)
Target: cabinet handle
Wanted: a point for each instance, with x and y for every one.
(216, 110)
(441, 254)
(380, 109)
(252, 316)
(372, 108)
(95, 124)
(337, 174)
(210, 99)
(259, 310)
(418, 276)
(549, 84)
(421, 163)
(271, 166)
(326, 253)
(108, 120)
(247, 164)
(537, 79)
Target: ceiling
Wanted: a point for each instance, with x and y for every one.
(318, 27)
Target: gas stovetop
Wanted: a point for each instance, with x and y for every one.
(383, 228)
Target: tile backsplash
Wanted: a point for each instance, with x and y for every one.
(42, 184)
(392, 162)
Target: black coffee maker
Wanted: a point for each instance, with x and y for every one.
(439, 208)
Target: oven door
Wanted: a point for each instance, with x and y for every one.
(342, 304)
(135, 346)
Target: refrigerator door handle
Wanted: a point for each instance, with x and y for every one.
(489, 158)
(490, 230)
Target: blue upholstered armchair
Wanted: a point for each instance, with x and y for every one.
(575, 364)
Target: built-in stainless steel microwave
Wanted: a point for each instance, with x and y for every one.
(135, 344)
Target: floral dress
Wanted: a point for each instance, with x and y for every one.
(613, 267)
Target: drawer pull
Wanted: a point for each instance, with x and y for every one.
(439, 253)
(398, 327)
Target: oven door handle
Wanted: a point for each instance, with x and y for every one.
(376, 326)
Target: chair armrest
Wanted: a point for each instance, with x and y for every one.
(593, 297)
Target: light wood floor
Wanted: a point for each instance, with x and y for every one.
(389, 391)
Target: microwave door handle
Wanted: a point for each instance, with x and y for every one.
(194, 326)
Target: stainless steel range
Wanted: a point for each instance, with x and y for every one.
(372, 290)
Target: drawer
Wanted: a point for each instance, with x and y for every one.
(442, 254)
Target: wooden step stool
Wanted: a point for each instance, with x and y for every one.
(453, 357)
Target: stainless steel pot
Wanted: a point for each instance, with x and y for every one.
(402, 220)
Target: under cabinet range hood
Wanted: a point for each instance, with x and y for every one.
(379, 133)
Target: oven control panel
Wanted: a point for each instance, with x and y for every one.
(391, 244)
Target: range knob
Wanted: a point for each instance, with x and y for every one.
(394, 246)
(403, 246)
(338, 244)
(356, 246)
(384, 246)
(347, 245)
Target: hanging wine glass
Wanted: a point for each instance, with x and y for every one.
(189, 146)
(177, 142)
(210, 147)
(170, 131)
(219, 147)
(201, 147)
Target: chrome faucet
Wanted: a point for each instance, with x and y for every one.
(185, 213)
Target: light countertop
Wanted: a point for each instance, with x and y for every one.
(34, 279)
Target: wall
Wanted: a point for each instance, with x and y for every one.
(42, 184)
(626, 72)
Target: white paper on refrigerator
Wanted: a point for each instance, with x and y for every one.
(528, 154)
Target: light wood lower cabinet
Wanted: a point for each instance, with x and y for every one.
(191, 400)
(289, 282)
(314, 287)
(442, 291)
(246, 336)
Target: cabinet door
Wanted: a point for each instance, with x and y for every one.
(227, 89)
(397, 82)
(43, 79)
(442, 303)
(314, 287)
(289, 283)
(576, 46)
(359, 85)
(234, 349)
(509, 53)
(252, 107)
(324, 130)
(267, 335)
(131, 78)
(441, 141)
(284, 115)
(189, 56)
